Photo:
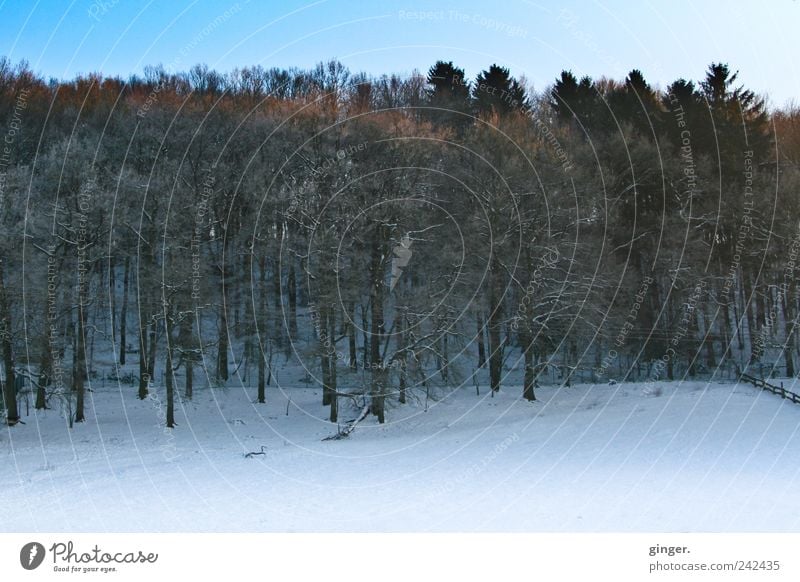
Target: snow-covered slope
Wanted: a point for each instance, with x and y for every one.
(671, 457)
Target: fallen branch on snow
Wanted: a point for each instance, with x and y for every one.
(351, 426)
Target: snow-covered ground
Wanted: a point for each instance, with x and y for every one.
(626, 457)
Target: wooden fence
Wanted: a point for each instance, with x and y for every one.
(779, 390)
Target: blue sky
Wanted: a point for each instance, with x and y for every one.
(537, 39)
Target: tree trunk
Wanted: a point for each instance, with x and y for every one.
(262, 398)
(334, 395)
(222, 348)
(277, 291)
(80, 362)
(45, 371)
(72, 338)
(445, 361)
(481, 345)
(9, 392)
(752, 318)
(790, 322)
(365, 335)
(379, 377)
(189, 367)
(325, 358)
(291, 290)
(123, 316)
(151, 355)
(734, 321)
(262, 307)
(377, 323)
(530, 376)
(48, 337)
(351, 337)
(277, 298)
(495, 323)
(711, 357)
(169, 379)
(144, 374)
(401, 338)
(112, 291)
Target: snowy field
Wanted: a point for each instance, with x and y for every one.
(631, 457)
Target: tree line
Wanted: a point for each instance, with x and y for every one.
(389, 235)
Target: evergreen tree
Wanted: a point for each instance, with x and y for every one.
(449, 94)
(739, 115)
(496, 91)
(637, 104)
(573, 100)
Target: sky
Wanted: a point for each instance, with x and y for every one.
(536, 39)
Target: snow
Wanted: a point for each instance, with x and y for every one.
(682, 456)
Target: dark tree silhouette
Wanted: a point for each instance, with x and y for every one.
(449, 91)
(496, 91)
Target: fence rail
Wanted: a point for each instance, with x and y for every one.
(779, 390)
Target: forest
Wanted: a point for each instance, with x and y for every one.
(390, 237)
